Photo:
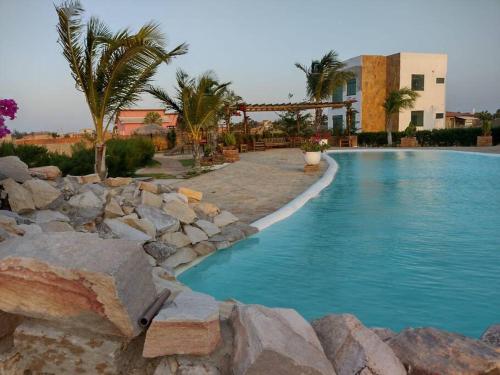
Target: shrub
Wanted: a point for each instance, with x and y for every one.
(124, 156)
(229, 139)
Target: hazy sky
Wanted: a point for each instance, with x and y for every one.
(254, 44)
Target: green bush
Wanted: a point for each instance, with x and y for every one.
(124, 156)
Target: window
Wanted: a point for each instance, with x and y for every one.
(440, 115)
(351, 87)
(439, 80)
(337, 121)
(337, 94)
(417, 82)
(417, 118)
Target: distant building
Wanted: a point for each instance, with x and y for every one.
(461, 120)
(376, 76)
(128, 120)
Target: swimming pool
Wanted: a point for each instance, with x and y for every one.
(399, 239)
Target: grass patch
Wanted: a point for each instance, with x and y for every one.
(188, 163)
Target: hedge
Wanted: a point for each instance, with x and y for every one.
(436, 137)
(123, 156)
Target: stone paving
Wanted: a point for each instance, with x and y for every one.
(257, 185)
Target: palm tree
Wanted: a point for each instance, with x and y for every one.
(111, 69)
(395, 102)
(323, 77)
(198, 101)
(152, 118)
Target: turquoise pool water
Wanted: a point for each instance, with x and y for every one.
(399, 239)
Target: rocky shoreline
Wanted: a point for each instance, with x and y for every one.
(82, 259)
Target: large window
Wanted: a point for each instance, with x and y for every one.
(417, 82)
(417, 118)
(337, 94)
(338, 121)
(351, 87)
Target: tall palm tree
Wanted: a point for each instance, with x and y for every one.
(198, 101)
(111, 69)
(395, 102)
(322, 78)
(152, 118)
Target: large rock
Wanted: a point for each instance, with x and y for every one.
(224, 218)
(232, 233)
(206, 208)
(208, 227)
(162, 221)
(46, 216)
(76, 279)
(86, 200)
(13, 167)
(189, 325)
(195, 234)
(275, 341)
(20, 199)
(149, 186)
(56, 226)
(144, 225)
(180, 211)
(50, 349)
(428, 351)
(384, 333)
(354, 349)
(181, 256)
(168, 197)
(31, 229)
(126, 232)
(8, 323)
(113, 209)
(42, 192)
(204, 248)
(177, 239)
(118, 181)
(49, 172)
(492, 336)
(192, 195)
(90, 179)
(160, 251)
(150, 199)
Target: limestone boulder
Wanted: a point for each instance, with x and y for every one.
(19, 198)
(224, 218)
(189, 325)
(275, 341)
(384, 334)
(428, 351)
(208, 227)
(49, 172)
(232, 233)
(181, 211)
(90, 179)
(192, 195)
(204, 248)
(77, 280)
(12, 167)
(181, 256)
(248, 230)
(492, 336)
(352, 348)
(148, 186)
(177, 239)
(56, 226)
(150, 199)
(31, 229)
(42, 192)
(195, 234)
(206, 208)
(168, 197)
(144, 225)
(162, 221)
(86, 200)
(118, 181)
(46, 216)
(113, 209)
(121, 230)
(18, 218)
(160, 251)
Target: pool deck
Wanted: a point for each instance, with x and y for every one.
(257, 185)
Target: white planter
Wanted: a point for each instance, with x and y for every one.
(312, 158)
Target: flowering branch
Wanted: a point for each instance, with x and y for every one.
(8, 108)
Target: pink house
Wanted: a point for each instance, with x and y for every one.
(128, 120)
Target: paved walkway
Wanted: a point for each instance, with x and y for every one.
(260, 183)
(169, 166)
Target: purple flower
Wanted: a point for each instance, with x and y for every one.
(8, 108)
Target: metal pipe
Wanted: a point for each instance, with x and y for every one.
(152, 310)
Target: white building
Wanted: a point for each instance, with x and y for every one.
(376, 76)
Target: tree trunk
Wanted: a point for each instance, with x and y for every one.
(318, 114)
(100, 160)
(389, 132)
(196, 154)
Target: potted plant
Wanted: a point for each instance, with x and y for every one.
(312, 151)
(229, 149)
(486, 139)
(410, 138)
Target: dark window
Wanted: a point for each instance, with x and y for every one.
(417, 82)
(338, 121)
(337, 94)
(417, 118)
(440, 115)
(351, 87)
(439, 80)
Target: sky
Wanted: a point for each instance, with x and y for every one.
(254, 44)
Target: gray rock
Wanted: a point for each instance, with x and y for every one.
(46, 216)
(248, 230)
(56, 226)
(113, 209)
(353, 348)
(195, 234)
(204, 248)
(42, 192)
(87, 199)
(162, 221)
(30, 229)
(180, 211)
(275, 341)
(182, 256)
(428, 351)
(221, 245)
(167, 197)
(144, 225)
(12, 167)
(20, 199)
(48, 172)
(126, 232)
(492, 335)
(177, 239)
(19, 219)
(232, 233)
(160, 251)
(209, 228)
(197, 369)
(224, 218)
(151, 199)
(76, 280)
(384, 333)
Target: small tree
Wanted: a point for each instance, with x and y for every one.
(111, 69)
(152, 118)
(395, 102)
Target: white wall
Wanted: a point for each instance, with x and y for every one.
(432, 100)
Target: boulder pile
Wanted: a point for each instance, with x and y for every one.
(82, 262)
